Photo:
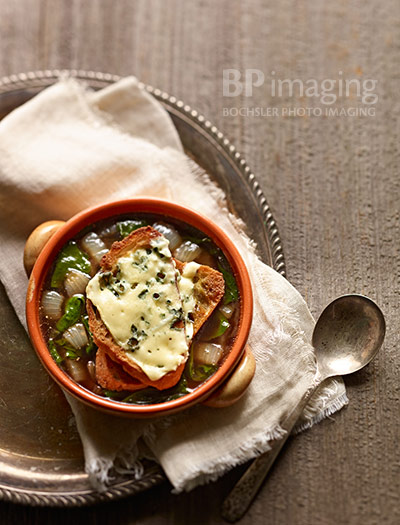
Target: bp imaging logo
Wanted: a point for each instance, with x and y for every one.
(328, 97)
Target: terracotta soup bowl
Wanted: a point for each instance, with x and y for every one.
(236, 368)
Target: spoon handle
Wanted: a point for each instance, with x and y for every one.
(241, 496)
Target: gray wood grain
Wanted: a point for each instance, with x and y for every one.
(333, 184)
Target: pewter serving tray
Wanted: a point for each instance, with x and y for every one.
(41, 459)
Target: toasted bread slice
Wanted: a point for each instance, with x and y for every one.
(112, 376)
(208, 291)
(105, 341)
(139, 239)
(209, 288)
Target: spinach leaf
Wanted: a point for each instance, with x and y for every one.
(73, 308)
(113, 394)
(70, 258)
(177, 391)
(148, 396)
(220, 325)
(199, 372)
(91, 347)
(54, 352)
(152, 396)
(69, 350)
(71, 353)
(129, 226)
(231, 290)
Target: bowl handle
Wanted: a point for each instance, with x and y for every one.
(36, 241)
(236, 384)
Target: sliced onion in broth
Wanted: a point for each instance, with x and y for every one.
(170, 233)
(228, 309)
(52, 303)
(187, 252)
(75, 282)
(94, 246)
(92, 369)
(110, 233)
(76, 336)
(77, 369)
(207, 353)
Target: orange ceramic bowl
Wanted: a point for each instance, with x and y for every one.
(130, 206)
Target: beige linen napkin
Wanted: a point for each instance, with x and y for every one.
(69, 148)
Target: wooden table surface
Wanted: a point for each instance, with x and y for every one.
(332, 183)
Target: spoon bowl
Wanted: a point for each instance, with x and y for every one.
(348, 334)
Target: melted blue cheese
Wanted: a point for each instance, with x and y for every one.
(186, 288)
(141, 306)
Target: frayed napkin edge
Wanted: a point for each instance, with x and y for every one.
(253, 448)
(334, 406)
(257, 446)
(100, 470)
(212, 471)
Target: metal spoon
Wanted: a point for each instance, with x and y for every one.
(347, 336)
